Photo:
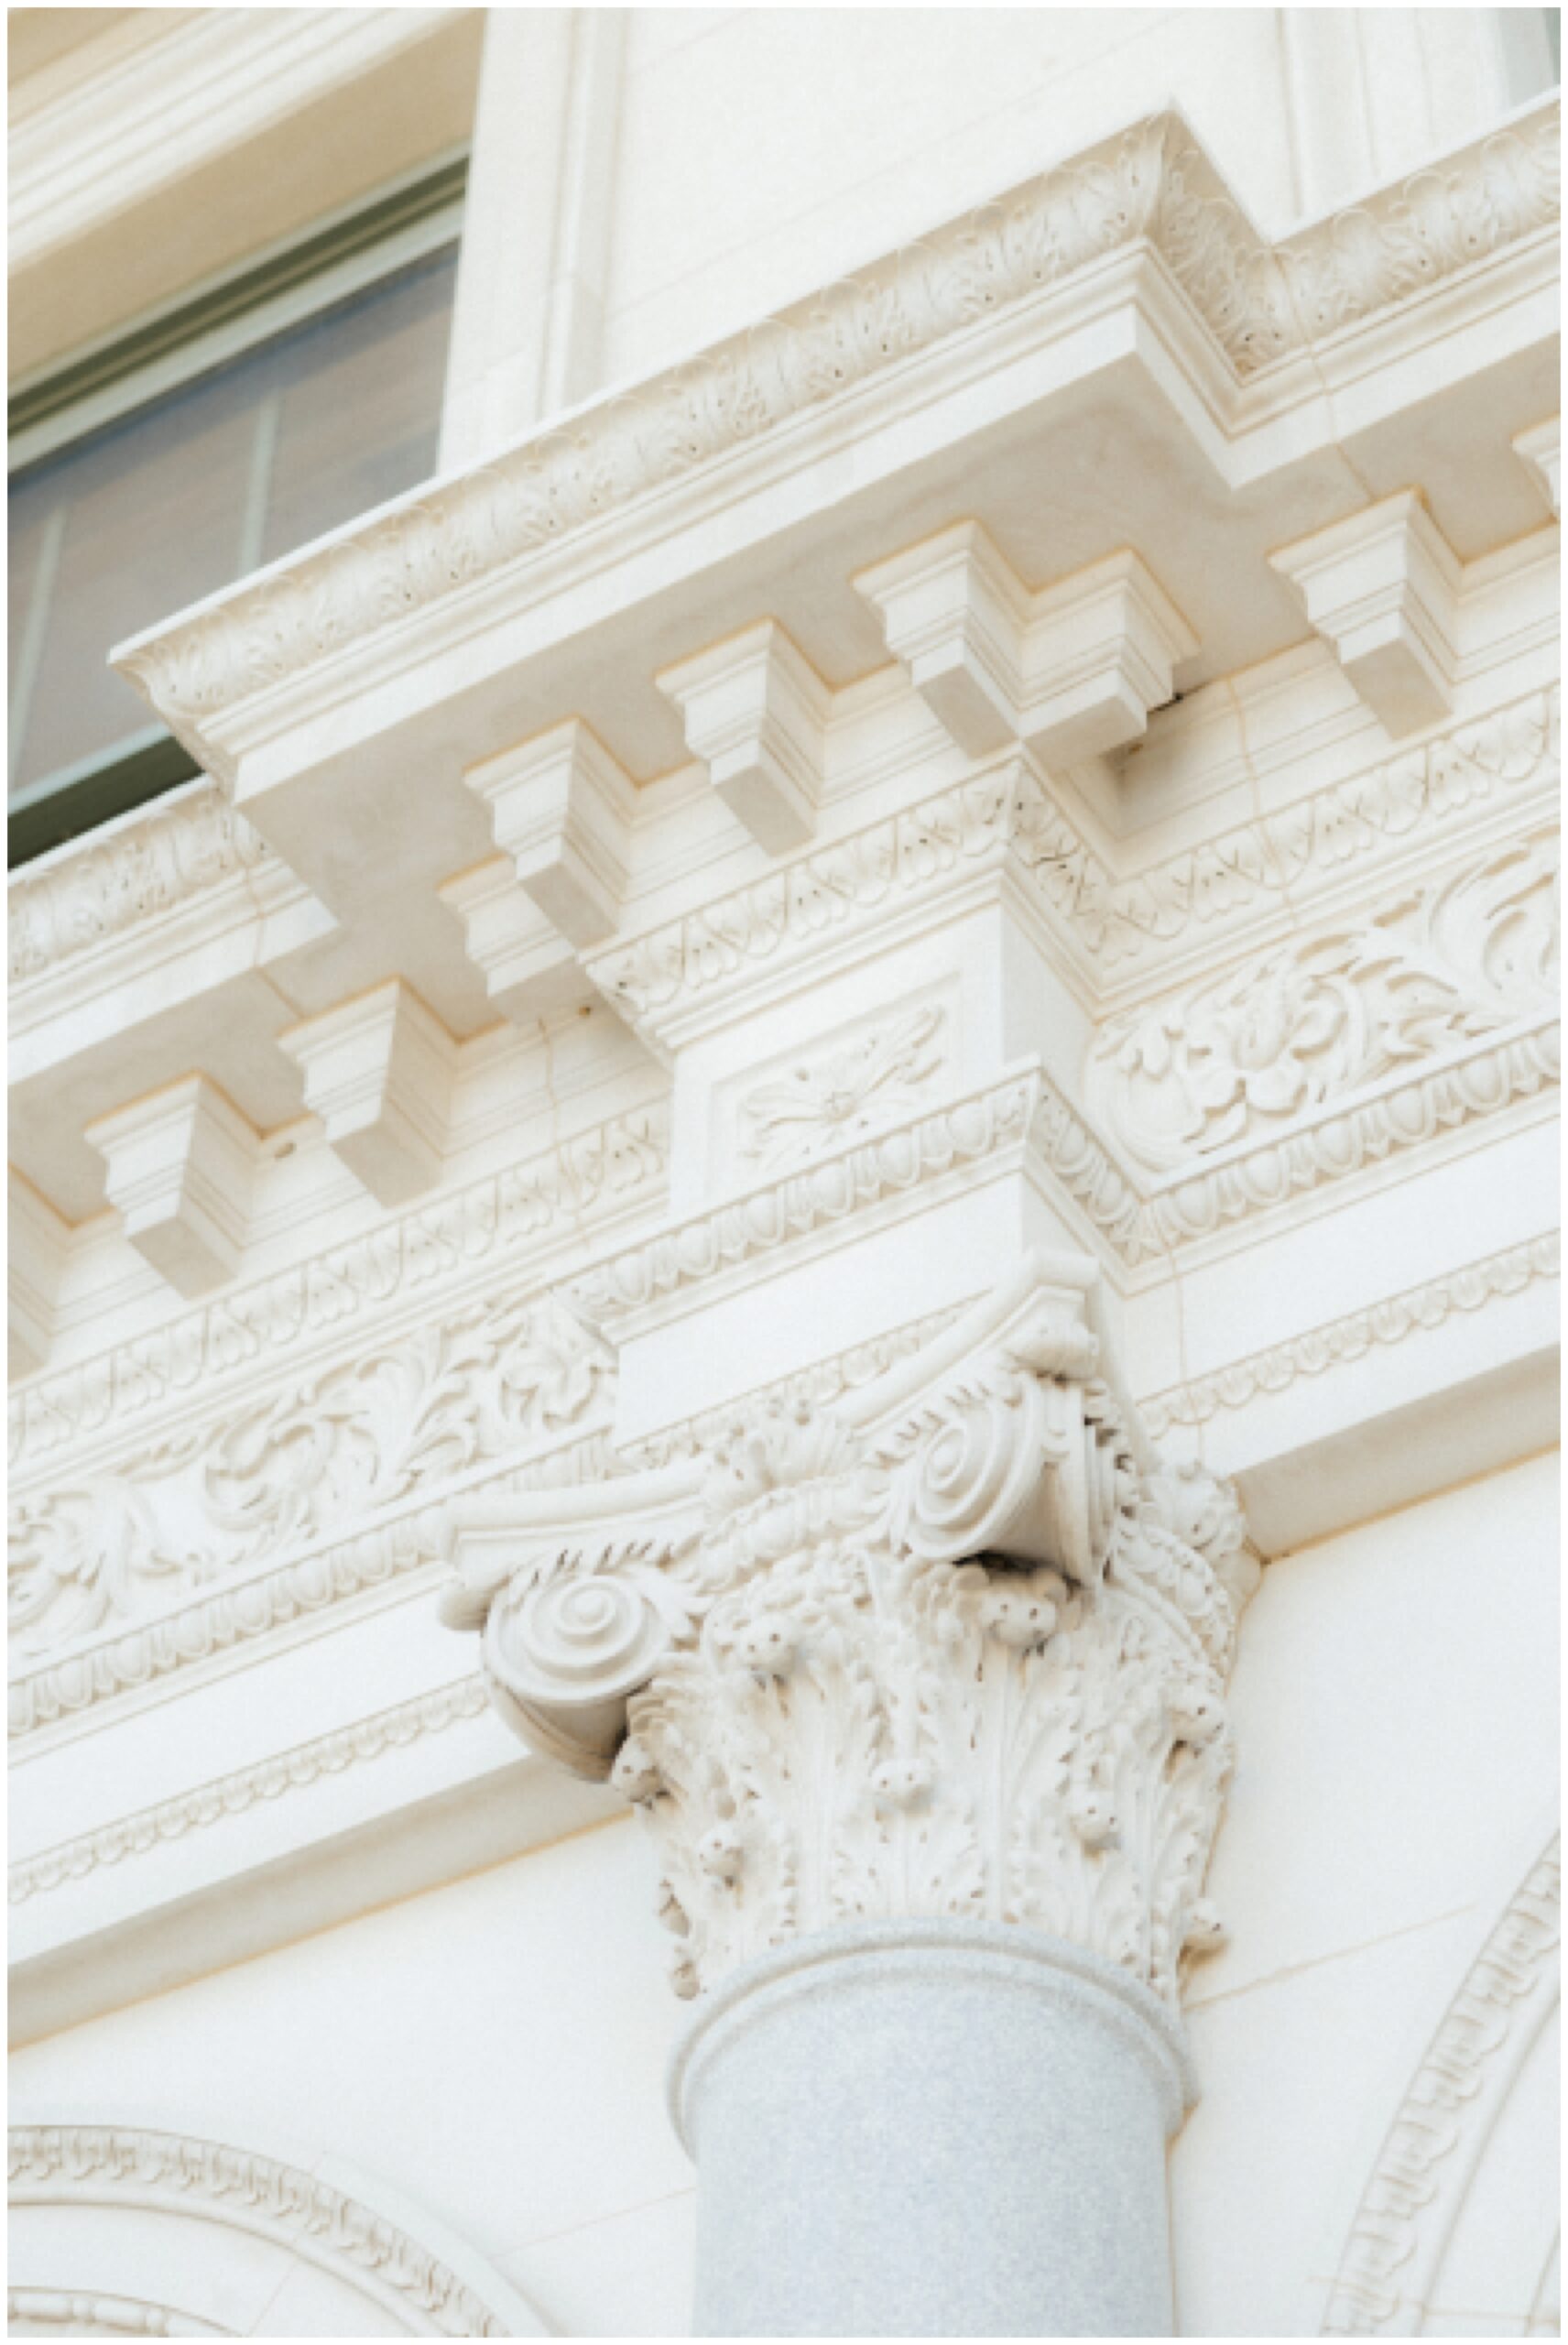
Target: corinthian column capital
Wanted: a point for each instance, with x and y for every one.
(955, 1649)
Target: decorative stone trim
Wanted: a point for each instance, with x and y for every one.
(1027, 1112)
(660, 978)
(1540, 448)
(292, 1470)
(1383, 588)
(379, 1071)
(181, 1169)
(755, 712)
(946, 1648)
(1342, 1141)
(818, 1386)
(169, 857)
(110, 2166)
(225, 1795)
(1417, 2184)
(1072, 670)
(1150, 187)
(562, 809)
(849, 1182)
(1243, 1056)
(83, 2316)
(125, 1659)
(598, 1174)
(1341, 1341)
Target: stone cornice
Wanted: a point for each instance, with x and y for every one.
(167, 858)
(1416, 2186)
(233, 1795)
(1262, 306)
(1340, 1341)
(600, 1173)
(118, 2166)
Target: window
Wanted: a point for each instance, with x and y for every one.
(218, 439)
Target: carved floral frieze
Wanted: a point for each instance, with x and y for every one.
(1449, 963)
(615, 1166)
(370, 1434)
(953, 1646)
(831, 1097)
(1151, 187)
(247, 1606)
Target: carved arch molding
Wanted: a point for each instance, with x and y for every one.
(1469, 2111)
(125, 2232)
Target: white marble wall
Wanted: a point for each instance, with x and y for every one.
(1395, 1691)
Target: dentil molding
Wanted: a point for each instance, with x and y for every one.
(1119, 931)
(1262, 305)
(956, 1645)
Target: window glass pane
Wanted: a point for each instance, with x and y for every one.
(147, 517)
(360, 397)
(283, 443)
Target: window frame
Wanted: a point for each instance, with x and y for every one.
(172, 348)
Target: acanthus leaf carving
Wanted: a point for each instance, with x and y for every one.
(1452, 962)
(954, 1645)
(371, 1433)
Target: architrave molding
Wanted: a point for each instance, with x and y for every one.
(1338, 1342)
(233, 1794)
(73, 2164)
(1426, 2163)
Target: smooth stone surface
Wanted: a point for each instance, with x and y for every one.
(932, 2129)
